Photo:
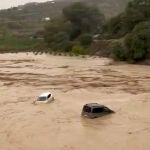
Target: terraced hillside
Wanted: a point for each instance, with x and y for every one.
(30, 18)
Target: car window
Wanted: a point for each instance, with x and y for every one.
(87, 109)
(49, 96)
(42, 98)
(98, 110)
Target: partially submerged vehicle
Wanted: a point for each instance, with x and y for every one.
(95, 110)
(44, 98)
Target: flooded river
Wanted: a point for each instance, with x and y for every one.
(74, 81)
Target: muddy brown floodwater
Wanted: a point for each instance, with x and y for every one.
(74, 81)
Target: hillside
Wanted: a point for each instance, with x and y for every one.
(29, 18)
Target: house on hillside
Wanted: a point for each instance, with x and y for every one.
(46, 19)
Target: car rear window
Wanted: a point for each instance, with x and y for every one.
(98, 110)
(87, 109)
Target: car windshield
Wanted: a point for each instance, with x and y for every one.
(42, 98)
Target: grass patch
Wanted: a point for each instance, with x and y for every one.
(14, 44)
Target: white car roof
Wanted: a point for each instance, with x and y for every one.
(45, 94)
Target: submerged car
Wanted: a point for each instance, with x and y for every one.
(95, 110)
(44, 98)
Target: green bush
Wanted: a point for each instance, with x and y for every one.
(136, 44)
(78, 49)
(119, 52)
(86, 39)
(59, 42)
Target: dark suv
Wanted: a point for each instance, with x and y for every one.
(94, 110)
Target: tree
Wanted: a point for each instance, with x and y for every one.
(137, 42)
(56, 35)
(136, 11)
(77, 25)
(83, 19)
(142, 6)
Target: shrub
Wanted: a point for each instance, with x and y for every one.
(86, 39)
(60, 42)
(119, 52)
(78, 49)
